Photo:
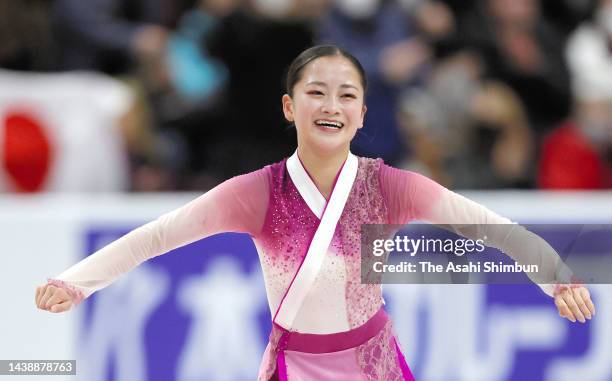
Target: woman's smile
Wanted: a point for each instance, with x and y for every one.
(329, 125)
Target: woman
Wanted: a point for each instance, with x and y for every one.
(304, 214)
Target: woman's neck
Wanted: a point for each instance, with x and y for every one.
(323, 168)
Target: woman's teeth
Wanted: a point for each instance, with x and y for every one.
(329, 124)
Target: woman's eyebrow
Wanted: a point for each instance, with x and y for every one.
(317, 83)
(344, 85)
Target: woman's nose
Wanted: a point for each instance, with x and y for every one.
(331, 105)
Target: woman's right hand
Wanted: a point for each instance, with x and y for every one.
(53, 299)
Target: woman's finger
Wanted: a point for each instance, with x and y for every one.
(568, 296)
(40, 292)
(564, 310)
(586, 296)
(62, 307)
(37, 295)
(580, 302)
(49, 291)
(56, 298)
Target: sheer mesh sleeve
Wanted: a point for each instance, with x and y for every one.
(237, 205)
(411, 196)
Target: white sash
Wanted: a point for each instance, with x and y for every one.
(329, 214)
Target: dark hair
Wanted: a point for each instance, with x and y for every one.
(294, 72)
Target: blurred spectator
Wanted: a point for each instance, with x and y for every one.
(26, 41)
(159, 45)
(521, 49)
(256, 44)
(110, 35)
(393, 56)
(566, 15)
(435, 21)
(195, 76)
(578, 154)
(129, 39)
(467, 132)
(194, 107)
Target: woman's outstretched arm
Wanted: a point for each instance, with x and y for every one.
(237, 205)
(411, 196)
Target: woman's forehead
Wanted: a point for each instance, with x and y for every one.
(331, 71)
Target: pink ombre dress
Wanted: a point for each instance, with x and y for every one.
(340, 331)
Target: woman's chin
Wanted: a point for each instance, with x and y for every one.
(326, 143)
(329, 146)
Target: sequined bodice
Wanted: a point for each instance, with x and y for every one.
(339, 296)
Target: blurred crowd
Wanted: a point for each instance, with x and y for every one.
(482, 94)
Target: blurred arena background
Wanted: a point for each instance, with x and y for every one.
(113, 112)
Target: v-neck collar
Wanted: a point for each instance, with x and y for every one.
(306, 186)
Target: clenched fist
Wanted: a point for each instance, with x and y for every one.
(53, 299)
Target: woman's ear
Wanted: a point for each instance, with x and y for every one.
(288, 107)
(363, 111)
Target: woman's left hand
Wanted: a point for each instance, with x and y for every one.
(574, 303)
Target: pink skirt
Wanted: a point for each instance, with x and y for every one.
(369, 352)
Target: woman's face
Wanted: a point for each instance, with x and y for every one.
(327, 106)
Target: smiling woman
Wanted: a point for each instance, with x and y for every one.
(305, 215)
(325, 100)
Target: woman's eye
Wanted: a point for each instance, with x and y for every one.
(349, 96)
(315, 92)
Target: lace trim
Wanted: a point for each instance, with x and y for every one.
(377, 357)
(560, 288)
(76, 294)
(365, 206)
(275, 335)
